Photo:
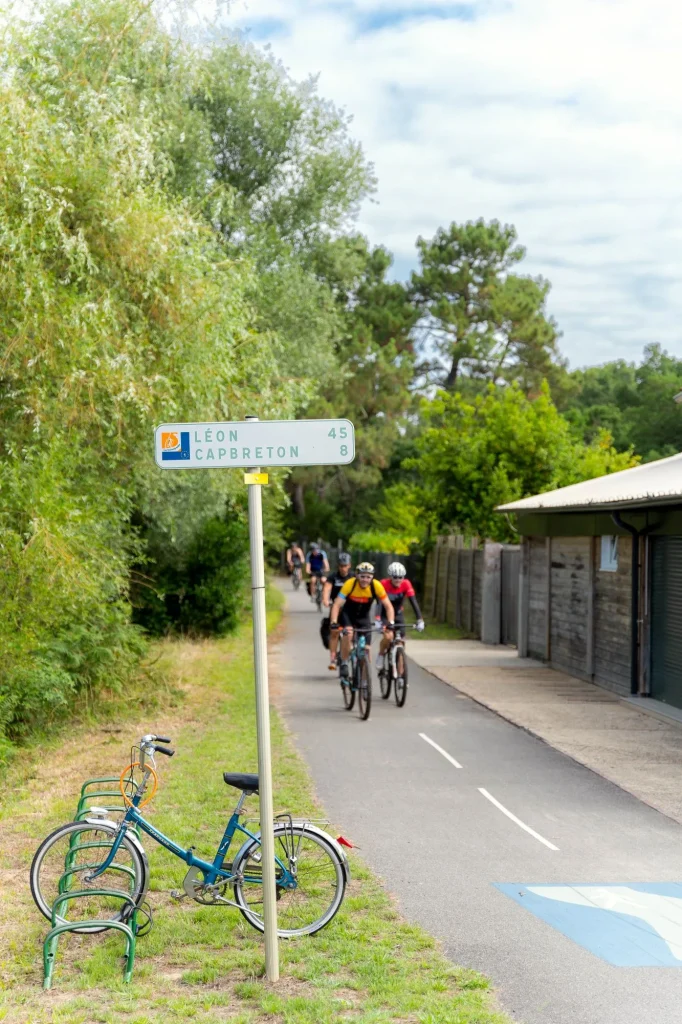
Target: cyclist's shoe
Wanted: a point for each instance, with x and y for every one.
(343, 670)
(380, 662)
(332, 665)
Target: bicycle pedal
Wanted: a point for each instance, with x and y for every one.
(178, 894)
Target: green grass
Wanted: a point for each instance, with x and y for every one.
(434, 630)
(205, 964)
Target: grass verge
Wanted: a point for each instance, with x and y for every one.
(205, 964)
(434, 630)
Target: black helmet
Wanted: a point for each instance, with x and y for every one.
(344, 558)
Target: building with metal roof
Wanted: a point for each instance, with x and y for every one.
(657, 483)
(600, 584)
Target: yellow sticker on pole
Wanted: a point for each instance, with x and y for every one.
(256, 478)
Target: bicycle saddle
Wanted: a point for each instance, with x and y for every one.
(242, 780)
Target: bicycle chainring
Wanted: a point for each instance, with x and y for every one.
(200, 892)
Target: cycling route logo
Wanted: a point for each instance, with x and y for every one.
(174, 445)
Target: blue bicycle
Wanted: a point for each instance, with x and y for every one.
(356, 676)
(311, 868)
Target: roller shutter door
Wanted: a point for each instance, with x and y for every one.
(666, 620)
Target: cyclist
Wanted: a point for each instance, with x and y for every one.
(354, 607)
(397, 587)
(316, 566)
(332, 589)
(294, 556)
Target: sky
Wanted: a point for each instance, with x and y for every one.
(562, 118)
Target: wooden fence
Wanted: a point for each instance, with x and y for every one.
(454, 590)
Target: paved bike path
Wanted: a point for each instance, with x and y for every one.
(440, 835)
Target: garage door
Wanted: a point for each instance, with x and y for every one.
(666, 620)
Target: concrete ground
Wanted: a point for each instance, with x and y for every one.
(639, 752)
(561, 887)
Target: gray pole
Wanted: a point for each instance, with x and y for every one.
(260, 653)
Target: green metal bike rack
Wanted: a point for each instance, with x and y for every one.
(52, 937)
(73, 870)
(115, 793)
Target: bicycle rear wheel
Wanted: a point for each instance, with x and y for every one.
(364, 681)
(320, 876)
(64, 859)
(296, 580)
(400, 681)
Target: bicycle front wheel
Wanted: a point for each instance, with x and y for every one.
(63, 861)
(385, 680)
(348, 690)
(364, 678)
(400, 681)
(320, 881)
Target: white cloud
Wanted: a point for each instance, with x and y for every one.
(564, 119)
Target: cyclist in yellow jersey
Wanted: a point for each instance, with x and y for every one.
(352, 609)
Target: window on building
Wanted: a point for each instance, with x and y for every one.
(609, 554)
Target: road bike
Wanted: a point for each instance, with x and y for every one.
(356, 676)
(296, 576)
(394, 671)
(311, 868)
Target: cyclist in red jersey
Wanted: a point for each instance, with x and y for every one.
(397, 587)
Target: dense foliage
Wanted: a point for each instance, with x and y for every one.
(145, 246)
(498, 447)
(633, 402)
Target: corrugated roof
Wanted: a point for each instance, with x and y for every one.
(658, 483)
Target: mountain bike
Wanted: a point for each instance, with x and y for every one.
(311, 868)
(358, 681)
(319, 590)
(394, 672)
(296, 576)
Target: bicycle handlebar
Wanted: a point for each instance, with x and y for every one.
(163, 739)
(164, 750)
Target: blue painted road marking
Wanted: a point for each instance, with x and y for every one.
(631, 925)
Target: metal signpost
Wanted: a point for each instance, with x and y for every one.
(253, 443)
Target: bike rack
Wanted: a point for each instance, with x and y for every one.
(52, 937)
(128, 927)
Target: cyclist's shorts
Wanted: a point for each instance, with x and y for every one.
(357, 621)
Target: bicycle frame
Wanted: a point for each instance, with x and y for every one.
(358, 652)
(212, 872)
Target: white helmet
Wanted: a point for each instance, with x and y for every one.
(397, 571)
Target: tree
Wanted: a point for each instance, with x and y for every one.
(633, 402)
(499, 447)
(479, 317)
(371, 386)
(143, 282)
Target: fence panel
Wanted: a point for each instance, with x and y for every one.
(511, 563)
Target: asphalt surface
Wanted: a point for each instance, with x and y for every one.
(441, 845)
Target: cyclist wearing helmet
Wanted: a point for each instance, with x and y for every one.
(316, 565)
(398, 587)
(332, 589)
(295, 555)
(353, 607)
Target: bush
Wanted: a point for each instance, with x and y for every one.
(198, 589)
(383, 540)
